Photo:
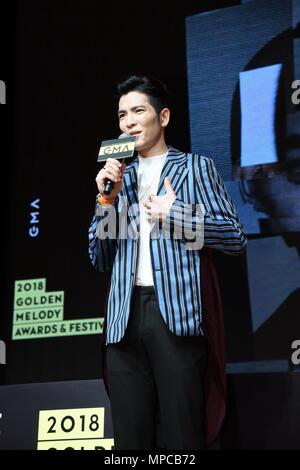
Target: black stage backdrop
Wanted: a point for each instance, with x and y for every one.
(65, 60)
(60, 62)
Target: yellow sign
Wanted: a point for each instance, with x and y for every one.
(75, 428)
(89, 444)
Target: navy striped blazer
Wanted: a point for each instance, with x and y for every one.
(176, 267)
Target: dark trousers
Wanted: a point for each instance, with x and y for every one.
(156, 382)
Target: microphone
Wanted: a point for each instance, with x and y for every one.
(109, 185)
(123, 147)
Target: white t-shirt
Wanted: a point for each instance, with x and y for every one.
(149, 173)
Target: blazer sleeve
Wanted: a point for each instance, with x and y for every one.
(102, 237)
(215, 216)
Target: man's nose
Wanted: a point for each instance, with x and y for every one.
(130, 120)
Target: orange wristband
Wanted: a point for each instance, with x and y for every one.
(101, 200)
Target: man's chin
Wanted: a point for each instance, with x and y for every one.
(140, 147)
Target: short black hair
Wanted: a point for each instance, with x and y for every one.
(155, 89)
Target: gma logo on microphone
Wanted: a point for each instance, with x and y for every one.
(117, 148)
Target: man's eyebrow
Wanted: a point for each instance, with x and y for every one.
(132, 109)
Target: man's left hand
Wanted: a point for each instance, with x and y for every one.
(157, 207)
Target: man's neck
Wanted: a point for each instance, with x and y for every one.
(154, 152)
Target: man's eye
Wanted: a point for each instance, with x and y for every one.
(121, 116)
(139, 110)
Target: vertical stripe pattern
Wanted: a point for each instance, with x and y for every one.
(176, 267)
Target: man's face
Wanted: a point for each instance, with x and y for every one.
(137, 117)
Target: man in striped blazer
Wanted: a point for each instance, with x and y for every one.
(165, 208)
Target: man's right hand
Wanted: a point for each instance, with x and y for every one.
(113, 170)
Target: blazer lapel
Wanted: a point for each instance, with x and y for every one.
(129, 190)
(173, 168)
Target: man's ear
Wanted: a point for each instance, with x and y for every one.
(164, 117)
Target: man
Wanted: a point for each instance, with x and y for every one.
(156, 346)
